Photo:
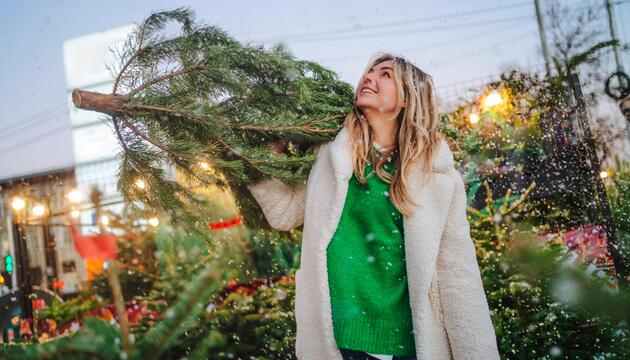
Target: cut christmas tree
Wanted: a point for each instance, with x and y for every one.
(197, 101)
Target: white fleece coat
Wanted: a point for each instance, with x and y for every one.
(451, 319)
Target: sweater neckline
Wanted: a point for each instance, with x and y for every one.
(380, 151)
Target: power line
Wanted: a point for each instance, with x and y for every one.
(430, 46)
(402, 22)
(484, 77)
(24, 125)
(33, 116)
(450, 92)
(33, 139)
(459, 56)
(424, 29)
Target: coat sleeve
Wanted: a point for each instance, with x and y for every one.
(465, 307)
(282, 205)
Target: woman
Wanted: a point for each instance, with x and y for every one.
(388, 269)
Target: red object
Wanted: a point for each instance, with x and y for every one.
(224, 224)
(39, 304)
(136, 312)
(589, 241)
(94, 247)
(58, 284)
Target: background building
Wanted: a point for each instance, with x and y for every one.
(86, 61)
(51, 254)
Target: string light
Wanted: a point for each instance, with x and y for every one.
(603, 174)
(141, 184)
(204, 165)
(154, 221)
(105, 220)
(39, 210)
(473, 118)
(75, 196)
(18, 203)
(492, 99)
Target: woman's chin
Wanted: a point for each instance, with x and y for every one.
(366, 104)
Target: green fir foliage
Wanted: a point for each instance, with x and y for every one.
(196, 95)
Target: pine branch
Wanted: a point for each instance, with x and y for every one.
(189, 305)
(200, 95)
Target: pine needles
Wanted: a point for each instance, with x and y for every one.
(195, 95)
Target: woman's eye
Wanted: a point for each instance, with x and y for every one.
(387, 75)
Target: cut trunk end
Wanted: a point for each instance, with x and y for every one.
(104, 103)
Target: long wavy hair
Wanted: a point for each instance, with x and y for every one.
(416, 138)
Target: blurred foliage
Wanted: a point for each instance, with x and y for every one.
(275, 254)
(506, 132)
(250, 323)
(618, 191)
(96, 340)
(545, 307)
(64, 312)
(133, 283)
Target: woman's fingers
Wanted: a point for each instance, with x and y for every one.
(277, 147)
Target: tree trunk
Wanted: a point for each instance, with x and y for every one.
(104, 103)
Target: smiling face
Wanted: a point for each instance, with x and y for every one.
(377, 91)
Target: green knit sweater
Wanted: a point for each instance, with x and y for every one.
(367, 276)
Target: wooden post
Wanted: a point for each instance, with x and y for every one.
(114, 282)
(119, 303)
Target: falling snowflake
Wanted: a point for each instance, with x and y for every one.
(555, 351)
(169, 313)
(280, 294)
(75, 326)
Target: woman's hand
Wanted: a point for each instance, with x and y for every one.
(278, 147)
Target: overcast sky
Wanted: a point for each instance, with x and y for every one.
(454, 41)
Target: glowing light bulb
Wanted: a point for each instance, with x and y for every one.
(141, 184)
(154, 221)
(75, 196)
(18, 203)
(104, 220)
(603, 174)
(492, 99)
(39, 210)
(204, 165)
(473, 118)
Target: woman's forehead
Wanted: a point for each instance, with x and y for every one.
(382, 64)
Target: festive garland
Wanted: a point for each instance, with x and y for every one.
(224, 224)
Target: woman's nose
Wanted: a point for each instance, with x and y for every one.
(368, 78)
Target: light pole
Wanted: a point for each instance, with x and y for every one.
(23, 275)
(50, 246)
(543, 38)
(614, 34)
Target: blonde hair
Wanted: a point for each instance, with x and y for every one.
(416, 138)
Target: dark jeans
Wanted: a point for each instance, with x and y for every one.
(360, 355)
